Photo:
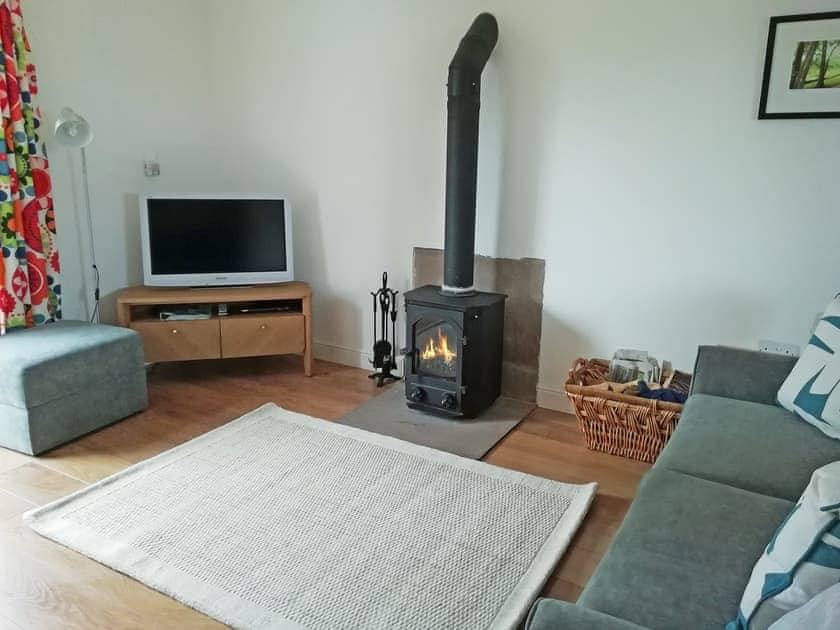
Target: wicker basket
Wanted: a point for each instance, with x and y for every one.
(618, 424)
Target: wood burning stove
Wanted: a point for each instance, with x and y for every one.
(453, 362)
(454, 333)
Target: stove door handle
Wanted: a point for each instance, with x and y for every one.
(413, 354)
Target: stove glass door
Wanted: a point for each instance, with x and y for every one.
(436, 344)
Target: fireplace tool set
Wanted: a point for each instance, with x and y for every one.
(384, 346)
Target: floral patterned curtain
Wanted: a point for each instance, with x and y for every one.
(29, 290)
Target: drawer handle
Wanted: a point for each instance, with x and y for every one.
(174, 331)
(263, 326)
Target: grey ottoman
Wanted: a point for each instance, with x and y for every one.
(63, 380)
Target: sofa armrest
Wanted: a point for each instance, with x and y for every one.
(743, 374)
(553, 614)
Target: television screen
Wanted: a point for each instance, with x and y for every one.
(216, 236)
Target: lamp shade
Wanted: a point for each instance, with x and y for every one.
(71, 130)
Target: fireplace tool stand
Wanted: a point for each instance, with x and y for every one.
(384, 348)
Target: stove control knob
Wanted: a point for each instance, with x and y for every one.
(449, 401)
(417, 394)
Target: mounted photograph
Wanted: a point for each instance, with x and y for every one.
(802, 67)
(816, 65)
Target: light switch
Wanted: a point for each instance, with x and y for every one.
(151, 165)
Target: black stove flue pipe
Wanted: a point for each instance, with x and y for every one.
(462, 153)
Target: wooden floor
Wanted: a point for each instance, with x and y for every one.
(44, 585)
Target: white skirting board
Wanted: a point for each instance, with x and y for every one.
(344, 356)
(341, 355)
(555, 399)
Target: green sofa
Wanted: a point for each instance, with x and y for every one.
(704, 513)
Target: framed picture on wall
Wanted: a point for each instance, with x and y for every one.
(802, 67)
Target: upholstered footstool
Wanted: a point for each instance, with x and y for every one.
(63, 380)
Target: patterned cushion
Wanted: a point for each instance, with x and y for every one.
(802, 558)
(811, 390)
(821, 613)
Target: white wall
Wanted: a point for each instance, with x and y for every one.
(138, 72)
(619, 142)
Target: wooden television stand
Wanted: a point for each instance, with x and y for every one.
(262, 320)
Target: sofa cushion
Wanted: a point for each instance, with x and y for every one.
(553, 614)
(821, 613)
(812, 389)
(740, 374)
(761, 448)
(43, 364)
(684, 552)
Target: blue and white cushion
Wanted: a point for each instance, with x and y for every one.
(802, 558)
(812, 390)
(821, 613)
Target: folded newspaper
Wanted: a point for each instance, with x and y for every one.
(634, 365)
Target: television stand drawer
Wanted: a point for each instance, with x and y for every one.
(179, 340)
(260, 335)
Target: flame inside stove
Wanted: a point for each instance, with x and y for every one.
(438, 348)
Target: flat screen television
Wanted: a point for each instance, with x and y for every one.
(215, 240)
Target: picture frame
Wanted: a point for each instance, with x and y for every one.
(802, 67)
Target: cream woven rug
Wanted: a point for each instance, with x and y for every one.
(279, 520)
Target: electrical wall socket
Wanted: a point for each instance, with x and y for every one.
(151, 168)
(778, 347)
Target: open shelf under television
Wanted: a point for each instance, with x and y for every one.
(262, 320)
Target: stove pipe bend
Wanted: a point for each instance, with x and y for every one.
(464, 90)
